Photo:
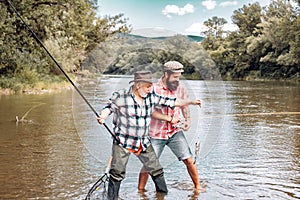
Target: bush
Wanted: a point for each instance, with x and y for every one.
(28, 76)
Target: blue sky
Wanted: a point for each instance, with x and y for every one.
(178, 16)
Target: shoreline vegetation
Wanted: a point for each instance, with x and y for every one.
(84, 76)
(265, 46)
(41, 88)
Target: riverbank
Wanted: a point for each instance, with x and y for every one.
(41, 88)
(84, 76)
(51, 84)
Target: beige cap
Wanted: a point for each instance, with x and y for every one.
(173, 66)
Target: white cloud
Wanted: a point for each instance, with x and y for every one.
(209, 4)
(261, 2)
(228, 3)
(188, 8)
(196, 28)
(175, 10)
(230, 27)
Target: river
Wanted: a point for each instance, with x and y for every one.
(249, 135)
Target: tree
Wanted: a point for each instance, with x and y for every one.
(68, 29)
(246, 18)
(130, 53)
(277, 44)
(267, 44)
(215, 33)
(215, 27)
(216, 45)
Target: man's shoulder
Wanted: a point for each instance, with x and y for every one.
(122, 92)
(159, 86)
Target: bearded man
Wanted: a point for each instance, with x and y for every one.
(165, 128)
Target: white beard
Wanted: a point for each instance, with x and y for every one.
(142, 93)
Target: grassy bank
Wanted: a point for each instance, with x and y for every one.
(49, 84)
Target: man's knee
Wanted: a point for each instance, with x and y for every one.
(143, 170)
(116, 175)
(189, 161)
(157, 172)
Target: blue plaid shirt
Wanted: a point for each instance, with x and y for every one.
(131, 121)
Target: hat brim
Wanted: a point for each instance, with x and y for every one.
(176, 70)
(143, 80)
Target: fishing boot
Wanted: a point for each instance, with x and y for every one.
(113, 189)
(160, 184)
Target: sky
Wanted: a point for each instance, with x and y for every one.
(172, 16)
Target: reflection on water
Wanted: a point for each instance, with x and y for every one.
(245, 152)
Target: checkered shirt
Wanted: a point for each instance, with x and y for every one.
(161, 129)
(131, 121)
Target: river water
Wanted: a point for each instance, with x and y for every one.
(249, 134)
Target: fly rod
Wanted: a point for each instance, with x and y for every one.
(58, 65)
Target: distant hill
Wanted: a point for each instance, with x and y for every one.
(161, 34)
(126, 53)
(192, 38)
(195, 38)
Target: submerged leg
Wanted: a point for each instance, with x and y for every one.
(160, 183)
(153, 167)
(113, 189)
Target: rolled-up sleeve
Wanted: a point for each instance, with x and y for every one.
(112, 102)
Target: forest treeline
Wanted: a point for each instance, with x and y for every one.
(265, 46)
(68, 29)
(126, 53)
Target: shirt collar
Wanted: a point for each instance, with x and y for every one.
(130, 91)
(161, 83)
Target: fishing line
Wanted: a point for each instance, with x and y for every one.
(58, 65)
(253, 114)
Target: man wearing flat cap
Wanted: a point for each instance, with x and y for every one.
(132, 110)
(165, 127)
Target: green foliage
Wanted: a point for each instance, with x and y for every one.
(215, 27)
(69, 30)
(266, 46)
(246, 18)
(126, 54)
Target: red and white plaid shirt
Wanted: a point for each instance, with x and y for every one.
(160, 129)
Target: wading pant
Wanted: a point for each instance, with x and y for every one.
(118, 169)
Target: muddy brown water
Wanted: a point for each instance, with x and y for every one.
(249, 134)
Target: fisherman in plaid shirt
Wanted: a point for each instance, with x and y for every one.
(132, 110)
(165, 127)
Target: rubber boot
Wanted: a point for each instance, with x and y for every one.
(160, 184)
(113, 189)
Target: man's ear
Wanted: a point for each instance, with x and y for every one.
(166, 75)
(137, 85)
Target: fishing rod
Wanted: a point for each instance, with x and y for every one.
(58, 65)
